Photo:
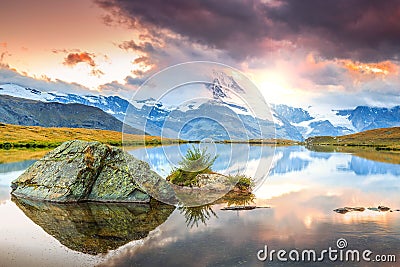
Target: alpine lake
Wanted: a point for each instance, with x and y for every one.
(299, 191)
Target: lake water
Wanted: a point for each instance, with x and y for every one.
(302, 190)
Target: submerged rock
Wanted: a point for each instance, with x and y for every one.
(95, 228)
(373, 209)
(380, 208)
(348, 209)
(243, 208)
(356, 208)
(80, 171)
(383, 208)
(341, 210)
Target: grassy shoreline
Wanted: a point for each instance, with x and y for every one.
(35, 141)
(22, 154)
(273, 141)
(15, 136)
(386, 139)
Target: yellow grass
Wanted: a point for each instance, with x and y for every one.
(15, 155)
(385, 138)
(34, 136)
(366, 152)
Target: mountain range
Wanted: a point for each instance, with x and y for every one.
(20, 111)
(219, 117)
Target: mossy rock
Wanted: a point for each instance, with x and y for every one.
(79, 171)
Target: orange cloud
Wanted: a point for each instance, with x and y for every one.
(143, 65)
(142, 59)
(375, 69)
(74, 58)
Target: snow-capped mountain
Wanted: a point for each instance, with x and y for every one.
(221, 114)
(366, 118)
(316, 121)
(113, 105)
(218, 114)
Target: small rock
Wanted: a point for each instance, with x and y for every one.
(348, 209)
(383, 208)
(359, 209)
(374, 209)
(243, 208)
(341, 210)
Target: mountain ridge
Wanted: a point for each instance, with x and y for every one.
(21, 111)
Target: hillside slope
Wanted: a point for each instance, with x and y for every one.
(384, 138)
(26, 112)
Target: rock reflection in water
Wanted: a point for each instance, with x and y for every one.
(95, 228)
(201, 214)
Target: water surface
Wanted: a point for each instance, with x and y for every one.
(302, 190)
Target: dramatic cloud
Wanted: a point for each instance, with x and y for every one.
(296, 51)
(125, 90)
(155, 54)
(146, 47)
(363, 30)
(358, 29)
(8, 75)
(74, 58)
(212, 23)
(374, 69)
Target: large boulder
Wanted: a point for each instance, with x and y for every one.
(79, 171)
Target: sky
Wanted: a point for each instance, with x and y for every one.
(334, 53)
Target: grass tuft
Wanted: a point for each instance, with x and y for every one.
(196, 161)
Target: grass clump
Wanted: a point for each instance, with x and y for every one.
(196, 161)
(242, 182)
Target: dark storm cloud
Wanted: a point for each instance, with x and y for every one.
(124, 90)
(135, 81)
(358, 29)
(146, 47)
(218, 24)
